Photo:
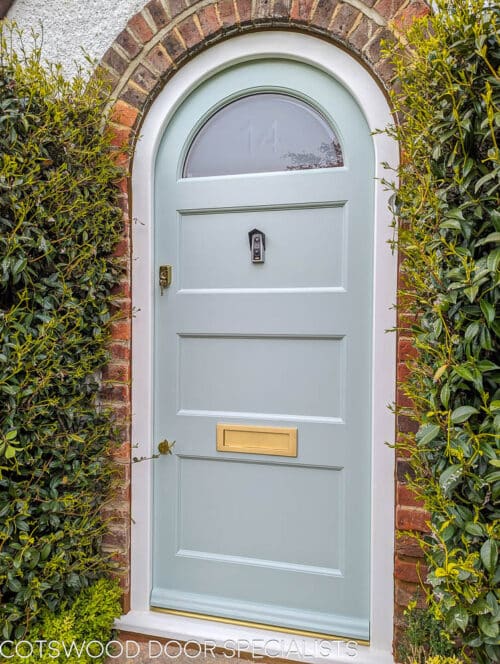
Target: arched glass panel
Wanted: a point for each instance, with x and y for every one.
(261, 133)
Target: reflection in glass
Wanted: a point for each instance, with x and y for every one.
(262, 133)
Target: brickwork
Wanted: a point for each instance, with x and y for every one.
(154, 44)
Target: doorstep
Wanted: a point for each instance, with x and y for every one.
(192, 639)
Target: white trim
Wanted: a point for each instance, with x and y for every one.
(372, 101)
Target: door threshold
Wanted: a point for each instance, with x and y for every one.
(255, 625)
(264, 645)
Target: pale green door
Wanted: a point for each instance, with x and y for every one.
(285, 344)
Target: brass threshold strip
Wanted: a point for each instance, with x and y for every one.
(271, 628)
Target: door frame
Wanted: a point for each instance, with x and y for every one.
(373, 103)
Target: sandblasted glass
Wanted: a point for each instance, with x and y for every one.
(262, 133)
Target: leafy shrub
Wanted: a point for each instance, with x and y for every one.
(66, 637)
(439, 659)
(447, 204)
(59, 223)
(423, 637)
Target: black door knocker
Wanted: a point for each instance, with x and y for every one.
(257, 241)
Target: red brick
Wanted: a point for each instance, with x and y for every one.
(119, 393)
(373, 49)
(117, 372)
(323, 13)
(157, 13)
(121, 412)
(126, 600)
(262, 9)
(122, 249)
(412, 518)
(122, 200)
(386, 71)
(227, 13)
(121, 160)
(115, 541)
(244, 11)
(406, 497)
(189, 32)
(123, 304)
(121, 560)
(362, 33)
(410, 570)
(140, 28)
(144, 78)
(406, 349)
(406, 424)
(403, 470)
(123, 288)
(115, 61)
(120, 136)
(120, 330)
(414, 10)
(406, 592)
(119, 351)
(405, 318)
(403, 372)
(173, 46)
(408, 546)
(344, 20)
(122, 185)
(124, 114)
(281, 9)
(388, 8)
(301, 10)
(209, 20)
(118, 510)
(122, 453)
(108, 76)
(402, 400)
(159, 60)
(176, 7)
(122, 493)
(128, 44)
(134, 97)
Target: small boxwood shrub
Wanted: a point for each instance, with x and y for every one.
(422, 637)
(447, 204)
(59, 223)
(73, 635)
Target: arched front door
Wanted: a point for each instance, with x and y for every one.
(264, 211)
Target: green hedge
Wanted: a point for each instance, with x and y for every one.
(448, 209)
(59, 223)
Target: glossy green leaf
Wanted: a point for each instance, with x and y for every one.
(489, 554)
(462, 414)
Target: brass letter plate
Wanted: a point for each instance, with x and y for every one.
(278, 441)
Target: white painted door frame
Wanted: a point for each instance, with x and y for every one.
(373, 103)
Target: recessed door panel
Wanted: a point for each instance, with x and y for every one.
(251, 513)
(291, 235)
(247, 374)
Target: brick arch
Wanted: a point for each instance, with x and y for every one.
(155, 43)
(166, 33)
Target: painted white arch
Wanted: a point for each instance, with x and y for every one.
(372, 101)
